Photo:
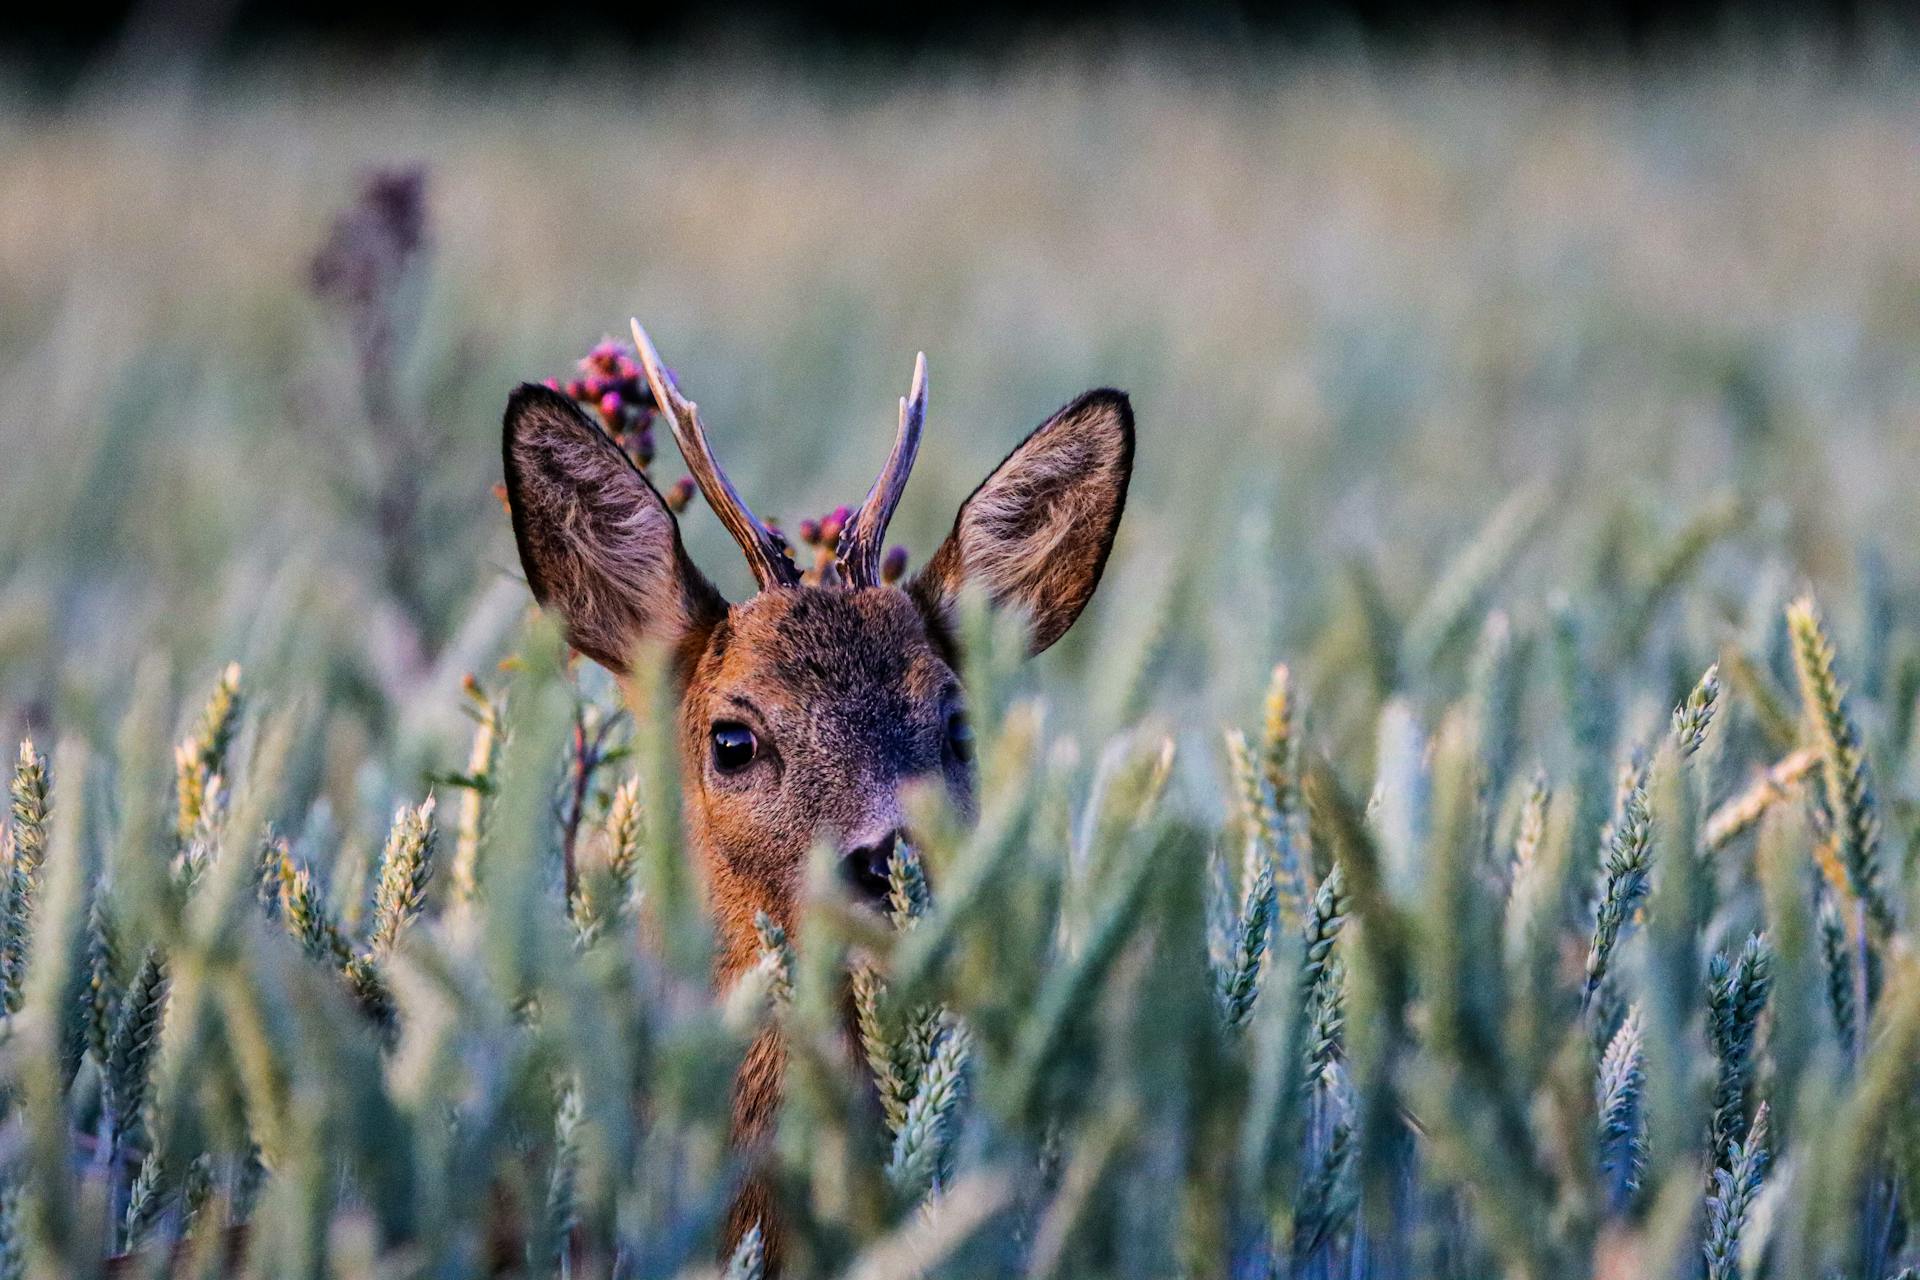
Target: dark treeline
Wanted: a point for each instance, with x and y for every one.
(74, 34)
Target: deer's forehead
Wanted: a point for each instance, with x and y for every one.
(814, 648)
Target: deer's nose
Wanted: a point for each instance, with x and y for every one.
(866, 867)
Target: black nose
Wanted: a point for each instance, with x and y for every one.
(866, 868)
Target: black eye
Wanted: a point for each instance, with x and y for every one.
(960, 734)
(734, 746)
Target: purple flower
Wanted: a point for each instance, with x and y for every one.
(374, 243)
(610, 383)
(893, 566)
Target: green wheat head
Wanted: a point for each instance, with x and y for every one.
(1848, 782)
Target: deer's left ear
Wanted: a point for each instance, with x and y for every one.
(1037, 532)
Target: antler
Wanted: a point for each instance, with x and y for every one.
(766, 552)
(860, 542)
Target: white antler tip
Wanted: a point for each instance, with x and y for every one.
(649, 357)
(656, 374)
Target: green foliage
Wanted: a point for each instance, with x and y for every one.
(924, 1132)
(1624, 886)
(129, 1058)
(1837, 959)
(401, 892)
(749, 1257)
(1338, 1031)
(1454, 606)
(200, 761)
(1848, 783)
(477, 785)
(776, 958)
(1237, 970)
(1620, 1101)
(1474, 961)
(1736, 995)
(1735, 1183)
(1692, 718)
(26, 848)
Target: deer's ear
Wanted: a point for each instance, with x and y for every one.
(597, 541)
(1037, 532)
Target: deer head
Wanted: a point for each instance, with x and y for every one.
(806, 709)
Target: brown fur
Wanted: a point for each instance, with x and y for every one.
(848, 691)
(851, 694)
(848, 696)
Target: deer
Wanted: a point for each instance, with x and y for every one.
(805, 712)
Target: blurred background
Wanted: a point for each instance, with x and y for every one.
(267, 274)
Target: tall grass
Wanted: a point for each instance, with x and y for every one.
(346, 927)
(1107, 1031)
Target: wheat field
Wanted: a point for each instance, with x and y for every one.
(1470, 834)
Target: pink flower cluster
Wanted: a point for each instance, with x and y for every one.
(823, 535)
(825, 532)
(611, 384)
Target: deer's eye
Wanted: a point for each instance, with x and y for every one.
(734, 746)
(959, 734)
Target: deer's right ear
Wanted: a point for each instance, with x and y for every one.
(597, 541)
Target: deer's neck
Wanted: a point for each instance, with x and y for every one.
(735, 902)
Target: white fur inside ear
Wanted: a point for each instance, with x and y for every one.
(1014, 527)
(598, 544)
(627, 579)
(1036, 534)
